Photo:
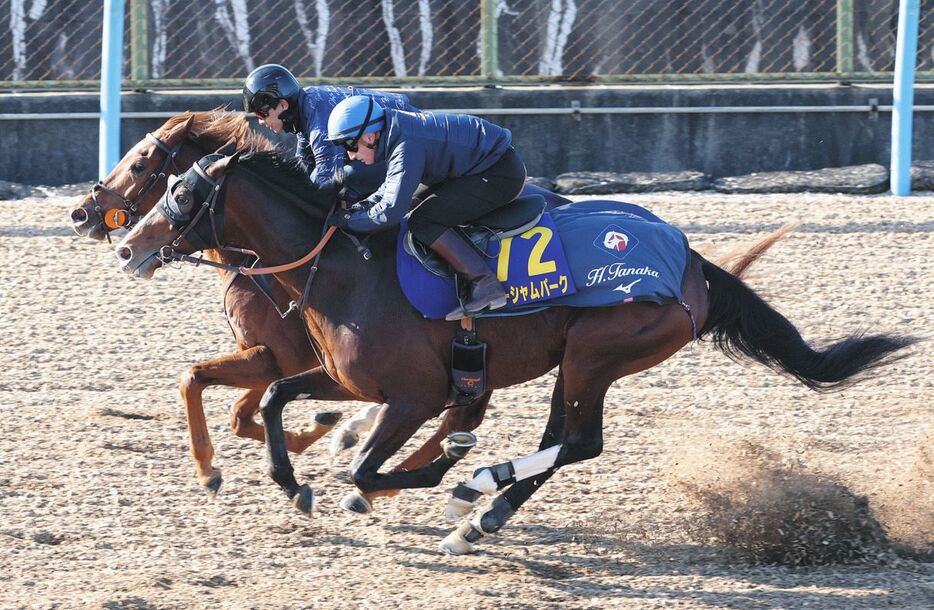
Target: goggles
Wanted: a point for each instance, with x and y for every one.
(348, 144)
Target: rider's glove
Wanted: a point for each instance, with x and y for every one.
(340, 219)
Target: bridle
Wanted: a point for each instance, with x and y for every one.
(127, 216)
(213, 205)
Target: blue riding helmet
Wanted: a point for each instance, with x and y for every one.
(354, 116)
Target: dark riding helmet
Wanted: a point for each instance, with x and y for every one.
(268, 84)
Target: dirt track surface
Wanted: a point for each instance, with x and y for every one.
(99, 506)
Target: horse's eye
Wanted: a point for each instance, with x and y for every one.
(182, 199)
(137, 167)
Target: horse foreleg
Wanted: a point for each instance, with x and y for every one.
(456, 419)
(314, 384)
(395, 424)
(244, 425)
(242, 369)
(254, 369)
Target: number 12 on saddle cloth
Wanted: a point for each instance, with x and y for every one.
(585, 254)
(532, 267)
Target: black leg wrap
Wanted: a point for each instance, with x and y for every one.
(469, 532)
(504, 474)
(497, 516)
(467, 494)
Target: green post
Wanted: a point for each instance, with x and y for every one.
(139, 39)
(489, 63)
(845, 36)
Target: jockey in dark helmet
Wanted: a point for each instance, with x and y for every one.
(275, 97)
(468, 168)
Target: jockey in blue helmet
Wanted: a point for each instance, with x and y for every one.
(468, 168)
(274, 96)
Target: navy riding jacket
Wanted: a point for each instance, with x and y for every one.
(427, 148)
(315, 105)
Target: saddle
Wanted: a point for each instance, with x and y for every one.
(514, 218)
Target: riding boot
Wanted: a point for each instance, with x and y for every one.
(485, 291)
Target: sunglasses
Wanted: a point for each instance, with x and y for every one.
(349, 144)
(263, 112)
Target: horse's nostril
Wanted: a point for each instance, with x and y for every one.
(79, 215)
(124, 253)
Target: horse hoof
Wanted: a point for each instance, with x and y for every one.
(355, 503)
(304, 500)
(344, 441)
(457, 509)
(213, 486)
(458, 444)
(328, 418)
(455, 544)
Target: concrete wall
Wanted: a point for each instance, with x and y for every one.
(62, 151)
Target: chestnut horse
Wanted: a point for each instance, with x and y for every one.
(269, 347)
(374, 345)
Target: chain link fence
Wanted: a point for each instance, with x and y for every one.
(176, 42)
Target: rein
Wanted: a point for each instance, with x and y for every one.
(128, 216)
(213, 201)
(168, 253)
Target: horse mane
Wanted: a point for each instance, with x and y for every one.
(287, 174)
(214, 128)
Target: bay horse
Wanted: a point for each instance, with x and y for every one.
(269, 347)
(374, 345)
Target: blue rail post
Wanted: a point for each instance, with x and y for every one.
(111, 73)
(906, 49)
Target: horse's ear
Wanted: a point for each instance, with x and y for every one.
(181, 131)
(229, 148)
(219, 168)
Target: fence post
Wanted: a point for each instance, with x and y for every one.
(845, 36)
(903, 96)
(139, 39)
(111, 73)
(489, 59)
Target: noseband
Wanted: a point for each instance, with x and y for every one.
(127, 216)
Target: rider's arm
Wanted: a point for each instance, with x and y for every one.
(303, 151)
(328, 161)
(393, 199)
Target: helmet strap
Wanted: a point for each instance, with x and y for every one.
(366, 119)
(289, 118)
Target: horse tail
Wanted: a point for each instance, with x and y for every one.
(741, 324)
(737, 261)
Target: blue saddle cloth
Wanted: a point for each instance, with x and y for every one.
(586, 254)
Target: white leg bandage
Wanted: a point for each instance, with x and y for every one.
(490, 479)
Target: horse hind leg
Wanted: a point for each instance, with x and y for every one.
(522, 477)
(644, 336)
